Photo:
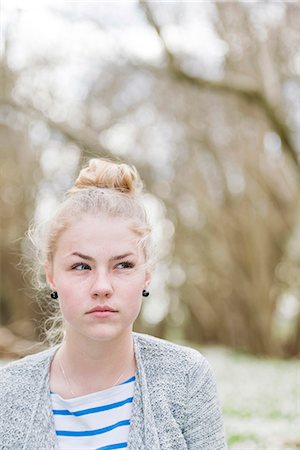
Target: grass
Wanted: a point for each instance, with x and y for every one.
(260, 400)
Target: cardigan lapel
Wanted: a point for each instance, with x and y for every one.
(143, 433)
(42, 429)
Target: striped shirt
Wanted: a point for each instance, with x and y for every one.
(97, 421)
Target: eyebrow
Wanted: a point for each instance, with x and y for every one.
(113, 258)
(125, 255)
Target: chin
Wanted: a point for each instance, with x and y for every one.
(107, 335)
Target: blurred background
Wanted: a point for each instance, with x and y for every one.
(204, 99)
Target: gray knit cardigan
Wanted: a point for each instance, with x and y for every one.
(175, 404)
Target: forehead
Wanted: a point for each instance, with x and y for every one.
(91, 233)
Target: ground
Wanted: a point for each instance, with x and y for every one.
(260, 400)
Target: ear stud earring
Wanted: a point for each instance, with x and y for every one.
(54, 295)
(145, 293)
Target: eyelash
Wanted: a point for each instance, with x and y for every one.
(126, 265)
(77, 265)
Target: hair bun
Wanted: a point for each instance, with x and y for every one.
(108, 174)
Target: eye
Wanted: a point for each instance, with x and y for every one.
(81, 266)
(125, 265)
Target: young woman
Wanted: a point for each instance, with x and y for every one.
(105, 387)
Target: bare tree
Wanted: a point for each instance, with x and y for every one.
(220, 153)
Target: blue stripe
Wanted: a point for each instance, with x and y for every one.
(66, 412)
(130, 380)
(93, 432)
(113, 446)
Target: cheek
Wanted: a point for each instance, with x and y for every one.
(135, 285)
(69, 298)
(134, 300)
(132, 295)
(133, 308)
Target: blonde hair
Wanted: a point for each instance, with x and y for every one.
(104, 188)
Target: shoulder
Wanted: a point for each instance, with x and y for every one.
(29, 362)
(168, 354)
(24, 400)
(177, 378)
(26, 369)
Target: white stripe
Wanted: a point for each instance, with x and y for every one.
(93, 421)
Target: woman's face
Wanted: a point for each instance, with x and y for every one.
(99, 273)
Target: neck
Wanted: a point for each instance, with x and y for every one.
(94, 352)
(97, 365)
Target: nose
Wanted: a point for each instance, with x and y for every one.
(101, 285)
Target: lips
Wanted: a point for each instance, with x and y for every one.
(101, 309)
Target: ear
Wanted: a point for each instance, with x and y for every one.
(148, 278)
(49, 276)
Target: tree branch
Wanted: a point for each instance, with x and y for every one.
(237, 88)
(87, 140)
